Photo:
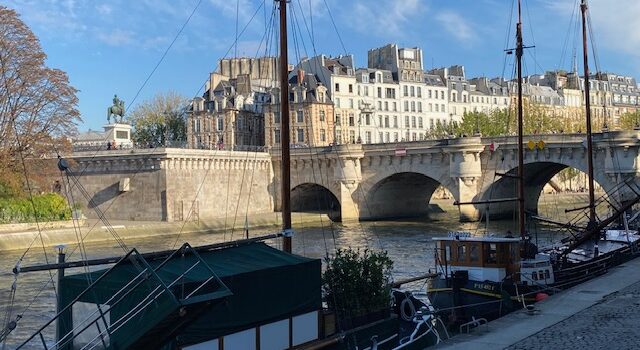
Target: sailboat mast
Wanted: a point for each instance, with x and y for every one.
(284, 130)
(587, 102)
(519, 52)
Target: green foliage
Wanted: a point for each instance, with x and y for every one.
(160, 121)
(629, 120)
(497, 123)
(48, 207)
(357, 284)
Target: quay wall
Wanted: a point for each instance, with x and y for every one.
(172, 184)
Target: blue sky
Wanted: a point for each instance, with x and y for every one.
(110, 47)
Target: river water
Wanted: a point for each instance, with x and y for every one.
(408, 243)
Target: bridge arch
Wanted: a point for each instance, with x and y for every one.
(312, 197)
(537, 174)
(401, 194)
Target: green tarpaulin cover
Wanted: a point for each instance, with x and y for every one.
(267, 285)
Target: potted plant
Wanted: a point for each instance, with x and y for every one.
(357, 286)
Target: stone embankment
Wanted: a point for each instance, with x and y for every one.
(21, 236)
(599, 314)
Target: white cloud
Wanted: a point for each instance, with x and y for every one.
(117, 37)
(104, 9)
(614, 22)
(385, 18)
(456, 25)
(244, 8)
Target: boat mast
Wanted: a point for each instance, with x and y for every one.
(519, 52)
(284, 130)
(587, 102)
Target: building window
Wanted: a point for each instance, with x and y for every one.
(395, 137)
(379, 92)
(337, 102)
(405, 90)
(386, 105)
(395, 121)
(420, 125)
(413, 91)
(395, 106)
(337, 87)
(441, 95)
(321, 115)
(367, 119)
(367, 137)
(406, 106)
(430, 94)
(413, 122)
(300, 118)
(350, 103)
(380, 137)
(350, 88)
(386, 137)
(437, 109)
(323, 135)
(406, 121)
(300, 135)
(221, 122)
(442, 108)
(352, 136)
(352, 121)
(419, 91)
(419, 106)
(337, 118)
(390, 93)
(379, 105)
(276, 136)
(413, 106)
(386, 121)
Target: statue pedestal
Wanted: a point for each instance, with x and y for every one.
(118, 135)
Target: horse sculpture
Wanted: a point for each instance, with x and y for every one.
(117, 110)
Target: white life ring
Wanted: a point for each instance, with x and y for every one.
(412, 309)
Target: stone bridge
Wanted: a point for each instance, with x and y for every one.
(392, 180)
(354, 182)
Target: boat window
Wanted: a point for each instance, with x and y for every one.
(474, 253)
(541, 274)
(462, 252)
(445, 252)
(491, 256)
(546, 274)
(534, 276)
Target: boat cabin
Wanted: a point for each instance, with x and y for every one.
(484, 258)
(240, 297)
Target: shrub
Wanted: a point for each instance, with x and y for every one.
(48, 207)
(356, 284)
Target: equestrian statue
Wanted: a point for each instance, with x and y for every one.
(116, 110)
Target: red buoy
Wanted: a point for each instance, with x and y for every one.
(541, 296)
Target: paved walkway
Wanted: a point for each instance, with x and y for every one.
(603, 313)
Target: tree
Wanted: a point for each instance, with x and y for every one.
(160, 121)
(629, 120)
(38, 106)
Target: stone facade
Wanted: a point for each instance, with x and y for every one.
(310, 111)
(174, 184)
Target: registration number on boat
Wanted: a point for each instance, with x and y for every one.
(484, 286)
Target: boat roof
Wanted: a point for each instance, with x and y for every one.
(468, 238)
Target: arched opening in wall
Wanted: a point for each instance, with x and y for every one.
(551, 191)
(405, 195)
(313, 198)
